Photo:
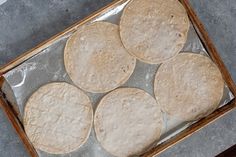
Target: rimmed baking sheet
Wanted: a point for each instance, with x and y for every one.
(48, 66)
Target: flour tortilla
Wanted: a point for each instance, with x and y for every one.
(154, 30)
(127, 121)
(96, 60)
(189, 86)
(58, 118)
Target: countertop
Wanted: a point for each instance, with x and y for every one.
(26, 23)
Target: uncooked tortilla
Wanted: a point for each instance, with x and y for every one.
(154, 30)
(96, 60)
(189, 86)
(58, 118)
(127, 121)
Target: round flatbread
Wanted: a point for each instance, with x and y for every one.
(58, 118)
(189, 86)
(154, 30)
(127, 121)
(96, 60)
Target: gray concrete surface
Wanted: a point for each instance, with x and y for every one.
(10, 144)
(25, 23)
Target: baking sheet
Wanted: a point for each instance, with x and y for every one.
(47, 66)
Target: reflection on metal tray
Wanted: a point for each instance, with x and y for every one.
(47, 66)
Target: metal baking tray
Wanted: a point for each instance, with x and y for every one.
(44, 64)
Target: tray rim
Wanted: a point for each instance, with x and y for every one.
(203, 35)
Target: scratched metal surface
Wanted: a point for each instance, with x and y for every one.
(48, 66)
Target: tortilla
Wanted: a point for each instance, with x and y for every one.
(189, 86)
(127, 121)
(58, 118)
(154, 30)
(96, 60)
